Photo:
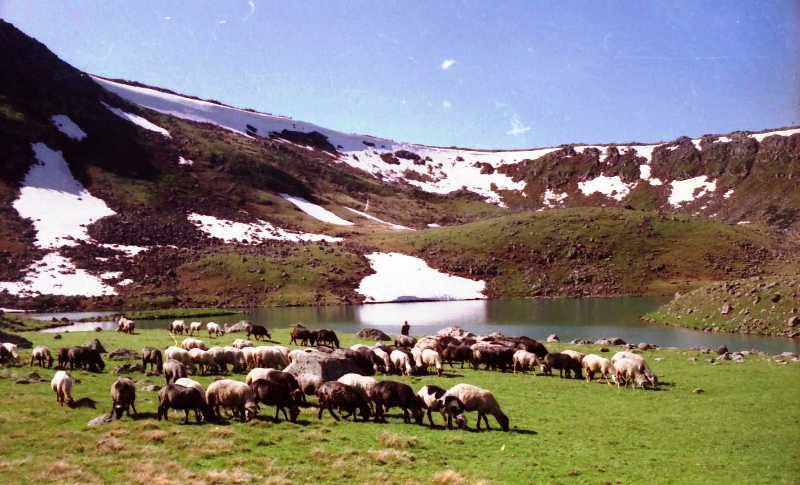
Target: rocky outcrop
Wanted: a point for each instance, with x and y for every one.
(373, 334)
(326, 366)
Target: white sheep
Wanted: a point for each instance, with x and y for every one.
(576, 356)
(594, 364)
(12, 350)
(426, 343)
(177, 326)
(215, 329)
(309, 383)
(425, 358)
(402, 362)
(630, 368)
(297, 352)
(186, 382)
(195, 327)
(234, 357)
(241, 343)
(190, 343)
(385, 357)
(362, 384)
(233, 395)
(41, 354)
(271, 357)
(62, 384)
(524, 360)
(203, 359)
(256, 374)
(433, 399)
(473, 398)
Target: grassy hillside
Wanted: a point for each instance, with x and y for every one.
(766, 306)
(590, 251)
(562, 430)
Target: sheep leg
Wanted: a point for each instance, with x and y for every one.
(430, 417)
(478, 427)
(284, 413)
(330, 410)
(134, 410)
(486, 420)
(405, 416)
(186, 416)
(321, 408)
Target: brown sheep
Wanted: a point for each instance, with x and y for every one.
(123, 397)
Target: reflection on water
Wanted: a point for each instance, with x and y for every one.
(570, 318)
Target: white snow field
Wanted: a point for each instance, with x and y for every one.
(59, 206)
(553, 199)
(435, 170)
(396, 227)
(612, 187)
(185, 161)
(56, 275)
(690, 189)
(138, 120)
(68, 127)
(252, 233)
(399, 277)
(315, 211)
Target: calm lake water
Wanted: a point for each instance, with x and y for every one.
(569, 318)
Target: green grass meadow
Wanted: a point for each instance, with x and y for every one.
(743, 428)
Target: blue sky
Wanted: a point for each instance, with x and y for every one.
(469, 73)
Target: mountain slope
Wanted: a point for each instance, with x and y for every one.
(115, 194)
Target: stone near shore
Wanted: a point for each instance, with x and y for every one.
(454, 331)
(553, 338)
(373, 334)
(326, 366)
(123, 354)
(99, 421)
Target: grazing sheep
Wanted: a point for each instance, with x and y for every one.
(334, 394)
(291, 383)
(303, 335)
(195, 327)
(125, 325)
(190, 343)
(358, 382)
(173, 370)
(11, 350)
(402, 362)
(358, 347)
(425, 358)
(388, 394)
(433, 400)
(62, 385)
(309, 383)
(594, 364)
(179, 354)
(154, 358)
(405, 341)
(431, 343)
(215, 329)
(473, 398)
(630, 368)
(278, 394)
(367, 360)
(576, 356)
(492, 356)
(186, 382)
(524, 360)
(271, 357)
(63, 357)
(564, 363)
(385, 357)
(233, 395)
(224, 356)
(241, 343)
(173, 396)
(203, 360)
(259, 332)
(327, 337)
(41, 354)
(123, 397)
(457, 353)
(5, 355)
(177, 327)
(256, 374)
(84, 357)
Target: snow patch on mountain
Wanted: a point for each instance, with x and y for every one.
(612, 187)
(252, 233)
(56, 275)
(68, 127)
(316, 211)
(381, 221)
(185, 161)
(690, 189)
(138, 120)
(553, 199)
(399, 277)
(59, 206)
(760, 136)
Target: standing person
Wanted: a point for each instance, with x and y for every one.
(405, 328)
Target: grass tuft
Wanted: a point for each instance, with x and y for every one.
(395, 440)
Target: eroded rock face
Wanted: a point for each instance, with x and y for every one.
(123, 354)
(327, 366)
(454, 332)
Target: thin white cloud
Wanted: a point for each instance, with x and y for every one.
(447, 64)
(517, 127)
(446, 104)
(252, 6)
(222, 22)
(167, 18)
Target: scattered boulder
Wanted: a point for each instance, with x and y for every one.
(553, 338)
(794, 320)
(726, 308)
(722, 349)
(646, 346)
(698, 390)
(454, 331)
(100, 420)
(603, 349)
(580, 341)
(617, 341)
(152, 388)
(57, 336)
(326, 366)
(29, 379)
(776, 298)
(602, 341)
(123, 354)
(373, 334)
(240, 326)
(128, 369)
